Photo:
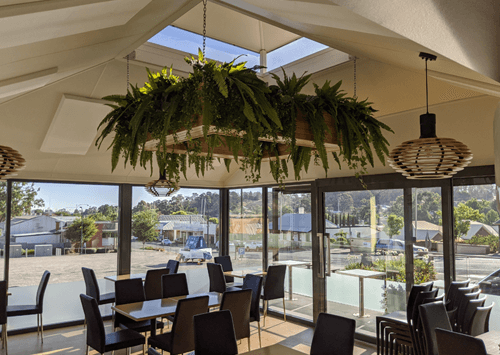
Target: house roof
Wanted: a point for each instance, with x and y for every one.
(190, 218)
(297, 222)
(477, 227)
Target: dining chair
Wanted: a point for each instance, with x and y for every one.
(173, 266)
(274, 287)
(398, 319)
(333, 335)
(130, 291)
(96, 335)
(25, 310)
(3, 313)
(152, 284)
(254, 283)
(239, 303)
(214, 333)
(470, 312)
(217, 280)
(152, 351)
(452, 292)
(481, 320)
(174, 285)
(414, 321)
(181, 337)
(453, 343)
(227, 265)
(465, 298)
(92, 288)
(433, 315)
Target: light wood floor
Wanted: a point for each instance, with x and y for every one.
(71, 340)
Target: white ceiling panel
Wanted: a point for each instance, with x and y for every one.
(74, 126)
(39, 26)
(20, 84)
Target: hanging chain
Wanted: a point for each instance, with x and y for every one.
(355, 95)
(128, 72)
(204, 26)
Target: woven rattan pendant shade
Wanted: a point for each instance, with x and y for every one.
(10, 162)
(429, 157)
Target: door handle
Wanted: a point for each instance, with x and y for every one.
(329, 256)
(321, 255)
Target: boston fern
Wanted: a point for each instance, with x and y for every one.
(241, 112)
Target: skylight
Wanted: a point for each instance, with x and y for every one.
(186, 41)
(293, 51)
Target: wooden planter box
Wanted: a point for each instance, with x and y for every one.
(303, 137)
(462, 248)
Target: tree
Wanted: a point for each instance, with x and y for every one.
(141, 206)
(463, 215)
(491, 217)
(74, 231)
(110, 212)
(214, 220)
(24, 198)
(182, 213)
(394, 225)
(144, 225)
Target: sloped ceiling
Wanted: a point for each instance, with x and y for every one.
(86, 40)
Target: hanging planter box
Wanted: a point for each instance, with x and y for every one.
(303, 137)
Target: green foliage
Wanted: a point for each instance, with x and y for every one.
(30, 252)
(463, 215)
(184, 213)
(214, 220)
(491, 217)
(394, 225)
(74, 231)
(490, 240)
(242, 108)
(144, 225)
(24, 198)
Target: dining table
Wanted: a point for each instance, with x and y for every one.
(491, 340)
(152, 309)
(290, 264)
(242, 273)
(276, 349)
(115, 278)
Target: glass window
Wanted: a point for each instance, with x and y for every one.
(245, 228)
(184, 227)
(48, 233)
(293, 51)
(190, 42)
(476, 242)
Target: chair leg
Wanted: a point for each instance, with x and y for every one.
(87, 351)
(284, 311)
(248, 343)
(41, 325)
(4, 330)
(260, 342)
(265, 312)
(144, 349)
(37, 325)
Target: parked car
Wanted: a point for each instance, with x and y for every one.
(387, 245)
(491, 283)
(166, 242)
(195, 249)
(253, 246)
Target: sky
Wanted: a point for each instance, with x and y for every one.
(71, 196)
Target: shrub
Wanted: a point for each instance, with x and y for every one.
(30, 251)
(490, 240)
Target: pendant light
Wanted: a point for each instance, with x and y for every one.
(429, 157)
(11, 161)
(161, 187)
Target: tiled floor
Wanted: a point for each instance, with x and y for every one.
(71, 340)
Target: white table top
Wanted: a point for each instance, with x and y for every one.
(125, 277)
(243, 273)
(152, 309)
(276, 349)
(291, 262)
(362, 274)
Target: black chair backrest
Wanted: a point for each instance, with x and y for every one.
(254, 283)
(152, 285)
(91, 285)
(464, 302)
(40, 293)
(274, 285)
(333, 335)
(470, 311)
(452, 343)
(183, 328)
(96, 336)
(239, 303)
(214, 334)
(174, 285)
(127, 291)
(3, 302)
(433, 315)
(173, 266)
(415, 290)
(216, 277)
(481, 321)
(452, 291)
(414, 321)
(227, 265)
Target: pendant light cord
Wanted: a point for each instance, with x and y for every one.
(426, 87)
(355, 95)
(128, 73)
